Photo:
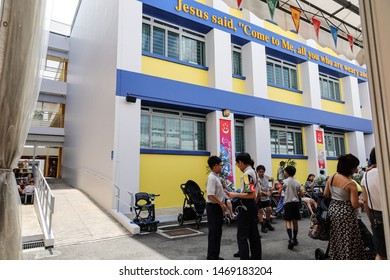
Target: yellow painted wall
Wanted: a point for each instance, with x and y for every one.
(302, 169)
(331, 167)
(163, 174)
(327, 50)
(274, 28)
(331, 106)
(174, 71)
(201, 1)
(285, 96)
(236, 13)
(238, 85)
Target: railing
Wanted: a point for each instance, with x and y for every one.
(48, 119)
(44, 206)
(121, 204)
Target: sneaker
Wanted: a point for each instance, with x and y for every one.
(269, 226)
(290, 245)
(295, 242)
(236, 255)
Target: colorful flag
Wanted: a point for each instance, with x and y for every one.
(316, 24)
(272, 6)
(296, 17)
(350, 40)
(239, 3)
(334, 30)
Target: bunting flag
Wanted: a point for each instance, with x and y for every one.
(350, 40)
(296, 17)
(316, 24)
(239, 3)
(272, 6)
(334, 30)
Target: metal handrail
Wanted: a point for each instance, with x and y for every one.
(46, 202)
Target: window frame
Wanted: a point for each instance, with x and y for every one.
(237, 49)
(239, 123)
(287, 129)
(181, 32)
(333, 136)
(283, 65)
(329, 81)
(181, 116)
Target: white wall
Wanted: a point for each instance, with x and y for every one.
(90, 104)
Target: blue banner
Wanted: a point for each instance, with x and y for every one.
(334, 31)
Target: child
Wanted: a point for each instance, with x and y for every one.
(292, 191)
(263, 200)
(247, 217)
(216, 208)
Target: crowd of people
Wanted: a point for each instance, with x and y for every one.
(253, 196)
(26, 186)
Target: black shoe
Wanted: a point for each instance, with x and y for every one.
(236, 255)
(290, 245)
(269, 226)
(220, 259)
(264, 229)
(295, 242)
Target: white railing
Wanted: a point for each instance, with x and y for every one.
(44, 206)
(121, 204)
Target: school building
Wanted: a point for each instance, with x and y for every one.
(156, 87)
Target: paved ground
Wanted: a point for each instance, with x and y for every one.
(84, 231)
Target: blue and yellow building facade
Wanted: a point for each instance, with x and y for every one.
(198, 58)
(156, 87)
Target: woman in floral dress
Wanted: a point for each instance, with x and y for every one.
(345, 240)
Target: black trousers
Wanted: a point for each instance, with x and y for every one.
(215, 222)
(247, 230)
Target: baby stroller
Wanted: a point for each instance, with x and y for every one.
(144, 202)
(194, 203)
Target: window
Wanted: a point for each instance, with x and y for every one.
(334, 144)
(286, 140)
(171, 41)
(55, 68)
(236, 60)
(239, 136)
(172, 130)
(281, 73)
(329, 87)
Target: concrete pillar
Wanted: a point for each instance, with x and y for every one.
(365, 103)
(219, 59)
(310, 82)
(257, 141)
(356, 146)
(369, 141)
(350, 90)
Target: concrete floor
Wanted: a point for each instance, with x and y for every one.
(84, 231)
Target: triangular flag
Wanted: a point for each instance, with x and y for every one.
(296, 17)
(272, 6)
(350, 40)
(334, 30)
(239, 3)
(316, 24)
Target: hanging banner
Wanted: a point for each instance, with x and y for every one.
(272, 6)
(350, 40)
(334, 30)
(225, 134)
(296, 17)
(239, 3)
(320, 149)
(317, 25)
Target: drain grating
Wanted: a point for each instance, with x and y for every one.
(33, 244)
(179, 232)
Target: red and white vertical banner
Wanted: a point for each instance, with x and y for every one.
(225, 135)
(350, 40)
(321, 159)
(239, 3)
(316, 25)
(296, 17)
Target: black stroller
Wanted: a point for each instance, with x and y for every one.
(194, 203)
(144, 202)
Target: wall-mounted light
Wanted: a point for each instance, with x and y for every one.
(131, 99)
(226, 113)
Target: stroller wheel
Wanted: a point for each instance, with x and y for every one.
(319, 254)
(198, 220)
(180, 219)
(227, 221)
